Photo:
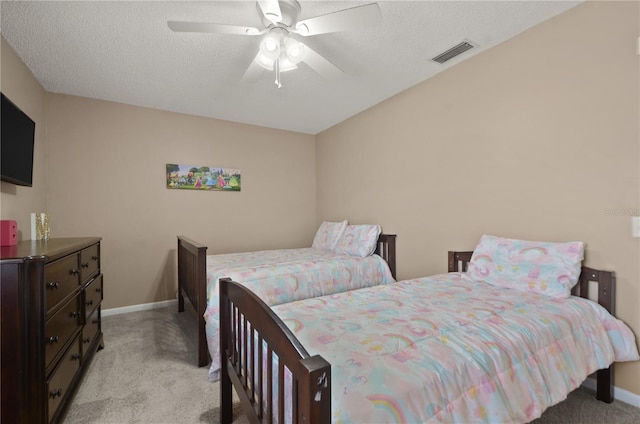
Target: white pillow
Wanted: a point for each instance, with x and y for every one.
(542, 267)
(358, 240)
(328, 234)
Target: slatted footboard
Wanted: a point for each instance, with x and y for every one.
(254, 341)
(604, 294)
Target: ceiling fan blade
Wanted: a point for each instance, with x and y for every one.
(347, 19)
(271, 10)
(178, 26)
(253, 72)
(319, 64)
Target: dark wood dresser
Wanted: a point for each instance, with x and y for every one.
(50, 320)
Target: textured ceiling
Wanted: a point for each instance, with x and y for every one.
(123, 51)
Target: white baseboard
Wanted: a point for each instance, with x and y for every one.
(142, 307)
(619, 394)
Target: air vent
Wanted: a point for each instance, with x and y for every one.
(453, 52)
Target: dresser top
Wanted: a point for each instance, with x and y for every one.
(46, 249)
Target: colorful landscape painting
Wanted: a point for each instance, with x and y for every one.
(210, 178)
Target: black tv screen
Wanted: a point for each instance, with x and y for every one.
(16, 155)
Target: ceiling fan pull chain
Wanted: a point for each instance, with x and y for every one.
(278, 73)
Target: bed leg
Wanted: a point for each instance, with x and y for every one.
(604, 385)
(203, 350)
(226, 400)
(180, 301)
(180, 276)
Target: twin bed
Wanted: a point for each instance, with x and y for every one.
(499, 342)
(280, 276)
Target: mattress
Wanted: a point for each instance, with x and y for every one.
(286, 275)
(450, 349)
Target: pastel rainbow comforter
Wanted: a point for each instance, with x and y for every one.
(286, 275)
(450, 349)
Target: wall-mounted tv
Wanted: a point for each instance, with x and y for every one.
(17, 138)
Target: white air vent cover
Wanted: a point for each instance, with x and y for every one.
(453, 52)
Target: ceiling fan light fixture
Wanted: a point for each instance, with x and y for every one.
(286, 64)
(269, 51)
(294, 50)
(270, 46)
(265, 62)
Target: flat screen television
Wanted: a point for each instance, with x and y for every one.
(17, 139)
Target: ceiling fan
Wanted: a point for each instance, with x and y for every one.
(278, 49)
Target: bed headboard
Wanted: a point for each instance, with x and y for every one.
(605, 280)
(459, 261)
(386, 248)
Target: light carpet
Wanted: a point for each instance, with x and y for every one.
(147, 374)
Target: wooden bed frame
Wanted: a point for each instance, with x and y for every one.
(245, 319)
(192, 281)
(606, 280)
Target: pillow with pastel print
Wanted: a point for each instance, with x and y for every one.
(547, 268)
(358, 240)
(328, 234)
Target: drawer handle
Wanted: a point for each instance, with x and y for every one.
(53, 339)
(74, 314)
(55, 393)
(89, 303)
(75, 357)
(85, 265)
(95, 258)
(87, 340)
(53, 285)
(98, 290)
(75, 271)
(95, 321)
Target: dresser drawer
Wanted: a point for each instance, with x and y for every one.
(60, 327)
(61, 278)
(92, 295)
(60, 381)
(90, 331)
(89, 261)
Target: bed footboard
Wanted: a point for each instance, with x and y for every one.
(605, 295)
(254, 341)
(192, 286)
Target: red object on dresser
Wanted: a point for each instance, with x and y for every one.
(8, 232)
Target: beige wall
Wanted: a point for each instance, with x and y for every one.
(19, 85)
(536, 138)
(102, 173)
(106, 175)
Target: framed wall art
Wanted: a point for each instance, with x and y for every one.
(208, 178)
